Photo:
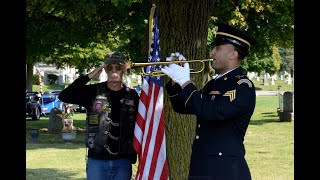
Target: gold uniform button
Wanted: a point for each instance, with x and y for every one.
(197, 137)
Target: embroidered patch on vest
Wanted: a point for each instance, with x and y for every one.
(98, 106)
(129, 102)
(231, 95)
(90, 142)
(245, 81)
(93, 119)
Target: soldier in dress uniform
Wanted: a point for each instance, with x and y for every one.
(223, 107)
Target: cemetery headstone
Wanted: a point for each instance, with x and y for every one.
(287, 112)
(56, 122)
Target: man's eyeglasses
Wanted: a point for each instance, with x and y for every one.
(117, 67)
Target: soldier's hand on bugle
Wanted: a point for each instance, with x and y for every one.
(179, 74)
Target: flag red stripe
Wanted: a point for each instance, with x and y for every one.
(148, 137)
(155, 150)
(143, 97)
(158, 143)
(165, 171)
(141, 123)
(136, 145)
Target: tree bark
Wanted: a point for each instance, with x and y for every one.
(29, 76)
(183, 26)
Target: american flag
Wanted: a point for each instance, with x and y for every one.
(149, 134)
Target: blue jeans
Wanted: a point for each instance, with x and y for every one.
(119, 169)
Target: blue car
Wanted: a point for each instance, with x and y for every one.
(50, 100)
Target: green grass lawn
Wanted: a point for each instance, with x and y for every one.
(269, 147)
(270, 143)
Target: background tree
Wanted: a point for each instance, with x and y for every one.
(276, 60)
(287, 63)
(79, 34)
(268, 64)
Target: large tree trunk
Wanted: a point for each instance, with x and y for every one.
(183, 26)
(29, 76)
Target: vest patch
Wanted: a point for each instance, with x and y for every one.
(90, 142)
(98, 106)
(129, 102)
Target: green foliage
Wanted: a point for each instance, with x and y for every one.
(81, 58)
(270, 64)
(68, 33)
(271, 23)
(36, 79)
(80, 34)
(287, 63)
(276, 59)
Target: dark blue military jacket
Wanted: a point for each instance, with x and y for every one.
(223, 109)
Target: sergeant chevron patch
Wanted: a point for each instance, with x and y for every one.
(245, 81)
(231, 95)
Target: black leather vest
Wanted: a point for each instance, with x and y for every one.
(101, 128)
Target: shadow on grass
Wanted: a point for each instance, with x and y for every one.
(48, 174)
(262, 121)
(46, 140)
(63, 145)
(267, 117)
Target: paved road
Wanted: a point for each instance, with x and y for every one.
(267, 93)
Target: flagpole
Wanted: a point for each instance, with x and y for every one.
(151, 24)
(149, 134)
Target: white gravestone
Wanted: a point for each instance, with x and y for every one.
(289, 81)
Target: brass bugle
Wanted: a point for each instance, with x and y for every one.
(131, 65)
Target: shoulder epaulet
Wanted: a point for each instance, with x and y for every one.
(241, 76)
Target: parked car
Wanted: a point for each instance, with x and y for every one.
(33, 106)
(50, 100)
